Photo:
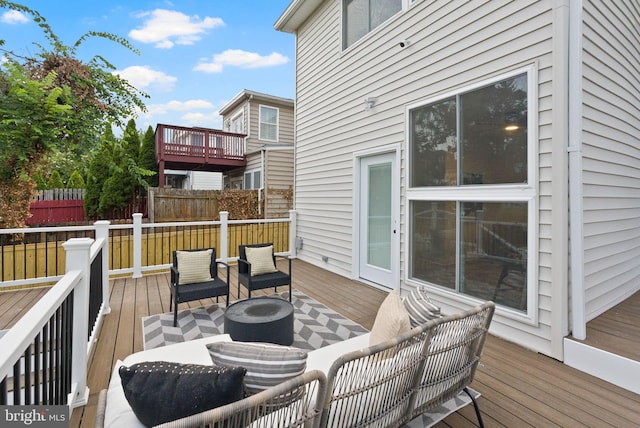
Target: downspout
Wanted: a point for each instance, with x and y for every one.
(578, 316)
(262, 190)
(559, 322)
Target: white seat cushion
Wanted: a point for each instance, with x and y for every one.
(118, 412)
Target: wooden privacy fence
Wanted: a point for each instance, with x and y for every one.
(165, 205)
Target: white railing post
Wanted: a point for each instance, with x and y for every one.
(224, 236)
(79, 259)
(293, 251)
(102, 232)
(137, 245)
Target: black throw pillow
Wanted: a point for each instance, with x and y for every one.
(160, 391)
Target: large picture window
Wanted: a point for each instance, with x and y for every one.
(362, 16)
(470, 192)
(268, 123)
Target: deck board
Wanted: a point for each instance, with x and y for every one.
(519, 387)
(618, 329)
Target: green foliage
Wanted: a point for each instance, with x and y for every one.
(99, 171)
(131, 140)
(75, 181)
(55, 181)
(147, 158)
(114, 178)
(53, 103)
(30, 111)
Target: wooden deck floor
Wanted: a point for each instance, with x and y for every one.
(519, 388)
(618, 329)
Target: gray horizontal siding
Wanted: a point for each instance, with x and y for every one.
(611, 152)
(452, 44)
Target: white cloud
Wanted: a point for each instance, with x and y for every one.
(14, 17)
(167, 27)
(143, 77)
(208, 120)
(242, 59)
(173, 106)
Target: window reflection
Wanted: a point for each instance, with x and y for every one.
(493, 252)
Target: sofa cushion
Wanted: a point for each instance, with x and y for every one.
(267, 364)
(194, 266)
(161, 391)
(391, 320)
(118, 412)
(261, 259)
(420, 308)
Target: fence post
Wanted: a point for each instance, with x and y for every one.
(79, 259)
(224, 236)
(137, 245)
(102, 232)
(293, 251)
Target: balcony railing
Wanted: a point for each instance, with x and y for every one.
(44, 359)
(185, 148)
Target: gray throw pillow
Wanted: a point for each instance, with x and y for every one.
(267, 364)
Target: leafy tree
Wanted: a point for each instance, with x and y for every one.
(147, 158)
(131, 140)
(75, 181)
(33, 116)
(99, 171)
(55, 181)
(53, 101)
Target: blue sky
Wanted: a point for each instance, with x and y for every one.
(195, 55)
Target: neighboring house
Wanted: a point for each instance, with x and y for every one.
(254, 151)
(267, 122)
(484, 150)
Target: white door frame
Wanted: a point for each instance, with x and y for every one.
(394, 149)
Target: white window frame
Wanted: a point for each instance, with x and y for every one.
(234, 120)
(404, 7)
(518, 192)
(252, 173)
(260, 136)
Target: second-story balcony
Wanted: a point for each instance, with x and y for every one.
(202, 149)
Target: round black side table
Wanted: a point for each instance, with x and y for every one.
(260, 319)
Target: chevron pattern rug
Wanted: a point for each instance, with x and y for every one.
(314, 325)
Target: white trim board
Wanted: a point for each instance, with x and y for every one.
(613, 368)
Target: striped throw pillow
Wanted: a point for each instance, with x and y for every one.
(267, 364)
(261, 259)
(420, 308)
(193, 266)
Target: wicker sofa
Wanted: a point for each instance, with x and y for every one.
(387, 384)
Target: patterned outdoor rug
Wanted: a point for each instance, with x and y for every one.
(314, 324)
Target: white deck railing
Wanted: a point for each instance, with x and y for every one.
(26, 345)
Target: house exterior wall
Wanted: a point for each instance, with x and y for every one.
(276, 167)
(452, 45)
(279, 163)
(204, 180)
(611, 152)
(285, 123)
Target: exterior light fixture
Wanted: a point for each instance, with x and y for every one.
(369, 102)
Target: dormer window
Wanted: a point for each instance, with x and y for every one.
(359, 17)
